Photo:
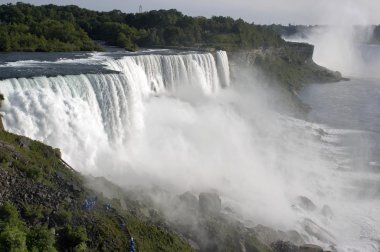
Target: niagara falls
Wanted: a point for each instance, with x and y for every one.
(167, 127)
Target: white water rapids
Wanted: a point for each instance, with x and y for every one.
(176, 121)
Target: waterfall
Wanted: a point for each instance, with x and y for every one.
(132, 126)
(79, 113)
(223, 67)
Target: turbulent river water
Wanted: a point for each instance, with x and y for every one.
(178, 121)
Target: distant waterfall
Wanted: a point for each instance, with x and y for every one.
(79, 112)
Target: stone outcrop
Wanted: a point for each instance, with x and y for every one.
(281, 246)
(189, 201)
(210, 203)
(269, 235)
(310, 248)
(305, 203)
(46, 192)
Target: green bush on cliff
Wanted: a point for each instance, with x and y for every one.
(15, 236)
(12, 239)
(9, 216)
(74, 238)
(40, 238)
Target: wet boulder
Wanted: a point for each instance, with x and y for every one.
(24, 142)
(294, 237)
(310, 248)
(282, 246)
(305, 203)
(210, 203)
(189, 201)
(267, 235)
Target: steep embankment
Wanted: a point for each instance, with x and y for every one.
(291, 65)
(42, 207)
(43, 200)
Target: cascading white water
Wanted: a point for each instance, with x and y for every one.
(223, 67)
(86, 114)
(159, 73)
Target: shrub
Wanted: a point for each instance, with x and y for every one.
(12, 230)
(73, 238)
(9, 215)
(33, 212)
(62, 217)
(40, 238)
(12, 239)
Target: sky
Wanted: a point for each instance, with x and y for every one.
(257, 11)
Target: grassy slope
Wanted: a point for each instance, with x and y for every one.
(47, 192)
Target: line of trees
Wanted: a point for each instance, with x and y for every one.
(24, 27)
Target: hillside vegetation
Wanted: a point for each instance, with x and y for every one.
(42, 207)
(24, 27)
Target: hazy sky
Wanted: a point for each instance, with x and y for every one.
(258, 11)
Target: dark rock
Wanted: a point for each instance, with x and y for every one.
(331, 248)
(294, 237)
(310, 248)
(321, 132)
(210, 203)
(267, 235)
(60, 175)
(305, 203)
(24, 142)
(189, 200)
(73, 187)
(282, 246)
(57, 152)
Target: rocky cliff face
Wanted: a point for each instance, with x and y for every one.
(291, 65)
(47, 193)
